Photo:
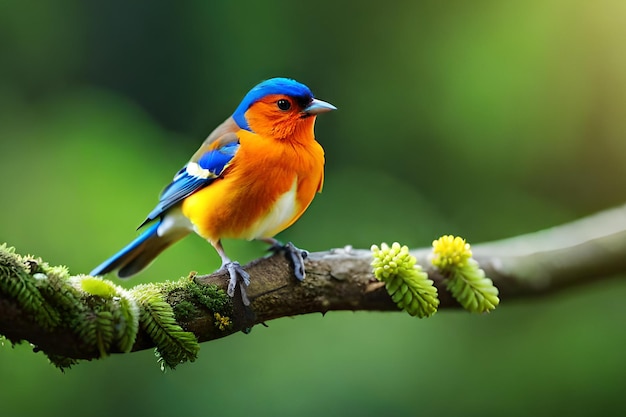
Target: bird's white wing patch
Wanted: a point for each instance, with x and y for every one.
(197, 171)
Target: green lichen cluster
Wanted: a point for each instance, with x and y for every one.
(405, 281)
(105, 317)
(472, 289)
(409, 286)
(173, 344)
(189, 298)
(101, 314)
(32, 284)
(160, 321)
(465, 280)
(111, 318)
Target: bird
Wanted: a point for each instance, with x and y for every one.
(251, 178)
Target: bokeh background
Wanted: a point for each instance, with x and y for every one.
(486, 119)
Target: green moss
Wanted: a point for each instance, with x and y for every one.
(17, 282)
(100, 313)
(126, 317)
(210, 296)
(56, 288)
(164, 305)
(189, 298)
(98, 286)
(156, 318)
(61, 362)
(184, 310)
(104, 316)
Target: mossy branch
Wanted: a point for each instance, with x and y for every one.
(70, 322)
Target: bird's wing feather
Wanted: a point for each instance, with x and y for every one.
(208, 164)
(221, 133)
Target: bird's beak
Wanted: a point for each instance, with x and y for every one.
(318, 106)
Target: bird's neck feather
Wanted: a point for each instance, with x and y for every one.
(293, 129)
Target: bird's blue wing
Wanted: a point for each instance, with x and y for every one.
(194, 176)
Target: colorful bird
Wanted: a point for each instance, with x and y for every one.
(253, 177)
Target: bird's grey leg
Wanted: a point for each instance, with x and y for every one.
(294, 254)
(236, 273)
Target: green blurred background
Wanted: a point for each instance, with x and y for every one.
(485, 119)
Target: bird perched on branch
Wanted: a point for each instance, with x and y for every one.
(253, 177)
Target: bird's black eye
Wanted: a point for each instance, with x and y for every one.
(283, 104)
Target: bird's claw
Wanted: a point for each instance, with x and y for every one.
(237, 274)
(295, 255)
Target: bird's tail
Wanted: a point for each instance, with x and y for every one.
(139, 253)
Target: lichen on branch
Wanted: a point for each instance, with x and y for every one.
(100, 317)
(76, 318)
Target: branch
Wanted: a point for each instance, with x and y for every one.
(581, 252)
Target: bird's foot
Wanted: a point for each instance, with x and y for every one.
(237, 274)
(295, 255)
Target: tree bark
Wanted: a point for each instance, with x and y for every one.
(582, 252)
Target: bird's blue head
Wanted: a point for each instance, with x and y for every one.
(284, 86)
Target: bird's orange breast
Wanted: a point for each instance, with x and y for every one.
(267, 187)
